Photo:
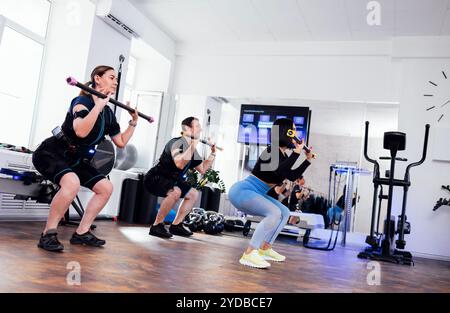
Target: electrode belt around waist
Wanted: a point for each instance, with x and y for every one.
(76, 151)
(161, 170)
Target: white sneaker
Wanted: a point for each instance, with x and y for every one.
(254, 259)
(271, 255)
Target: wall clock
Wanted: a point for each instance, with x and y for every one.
(438, 99)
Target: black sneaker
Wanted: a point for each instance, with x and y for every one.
(50, 242)
(180, 230)
(159, 231)
(88, 239)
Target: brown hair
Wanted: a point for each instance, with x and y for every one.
(100, 71)
(188, 122)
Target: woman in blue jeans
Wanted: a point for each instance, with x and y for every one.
(250, 195)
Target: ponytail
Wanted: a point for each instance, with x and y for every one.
(84, 93)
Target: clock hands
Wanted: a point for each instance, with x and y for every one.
(448, 101)
(431, 95)
(442, 115)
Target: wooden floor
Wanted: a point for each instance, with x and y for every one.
(132, 261)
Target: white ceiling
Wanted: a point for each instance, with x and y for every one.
(294, 20)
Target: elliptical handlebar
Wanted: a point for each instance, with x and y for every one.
(424, 153)
(366, 140)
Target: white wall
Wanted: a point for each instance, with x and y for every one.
(153, 72)
(105, 47)
(267, 73)
(430, 231)
(187, 105)
(287, 76)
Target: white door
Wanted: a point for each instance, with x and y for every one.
(145, 135)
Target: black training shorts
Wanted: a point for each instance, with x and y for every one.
(52, 161)
(160, 185)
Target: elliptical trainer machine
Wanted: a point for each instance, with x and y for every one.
(382, 247)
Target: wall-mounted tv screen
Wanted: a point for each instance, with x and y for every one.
(256, 121)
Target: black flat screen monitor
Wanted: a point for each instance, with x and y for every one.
(256, 121)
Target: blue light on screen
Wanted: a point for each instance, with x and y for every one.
(264, 118)
(299, 120)
(248, 118)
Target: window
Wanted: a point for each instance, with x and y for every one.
(20, 61)
(30, 14)
(23, 25)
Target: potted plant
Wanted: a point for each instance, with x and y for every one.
(210, 185)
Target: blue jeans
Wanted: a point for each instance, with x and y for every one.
(334, 213)
(250, 196)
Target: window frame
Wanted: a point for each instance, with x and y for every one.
(6, 22)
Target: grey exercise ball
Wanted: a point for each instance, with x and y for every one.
(104, 158)
(126, 158)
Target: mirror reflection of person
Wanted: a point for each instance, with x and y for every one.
(278, 192)
(298, 195)
(336, 213)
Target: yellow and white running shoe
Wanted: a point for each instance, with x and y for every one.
(271, 255)
(254, 259)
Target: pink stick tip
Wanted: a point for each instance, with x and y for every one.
(71, 81)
